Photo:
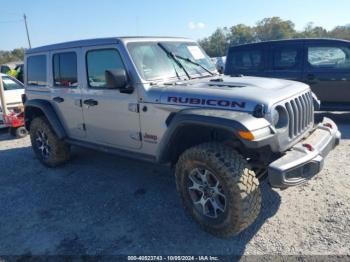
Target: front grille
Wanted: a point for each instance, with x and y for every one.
(300, 114)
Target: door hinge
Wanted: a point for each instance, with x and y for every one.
(82, 127)
(133, 107)
(136, 136)
(78, 102)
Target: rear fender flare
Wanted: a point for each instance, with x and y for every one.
(48, 111)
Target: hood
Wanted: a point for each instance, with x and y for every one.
(234, 93)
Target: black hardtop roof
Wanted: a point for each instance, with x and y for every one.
(296, 40)
(96, 41)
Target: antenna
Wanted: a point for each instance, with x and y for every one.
(25, 23)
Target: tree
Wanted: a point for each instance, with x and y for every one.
(341, 32)
(217, 43)
(274, 28)
(12, 56)
(310, 31)
(242, 34)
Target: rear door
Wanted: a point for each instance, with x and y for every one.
(246, 60)
(285, 60)
(328, 71)
(66, 90)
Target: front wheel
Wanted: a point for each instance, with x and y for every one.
(218, 189)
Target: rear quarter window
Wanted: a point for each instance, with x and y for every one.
(329, 57)
(36, 70)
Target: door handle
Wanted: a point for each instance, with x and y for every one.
(58, 99)
(90, 102)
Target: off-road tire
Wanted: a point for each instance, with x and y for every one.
(239, 183)
(60, 151)
(21, 132)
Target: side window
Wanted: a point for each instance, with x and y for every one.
(247, 59)
(329, 57)
(36, 70)
(65, 69)
(10, 84)
(98, 61)
(286, 58)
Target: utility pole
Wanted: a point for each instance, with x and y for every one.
(25, 23)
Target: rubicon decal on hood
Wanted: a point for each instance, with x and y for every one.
(202, 101)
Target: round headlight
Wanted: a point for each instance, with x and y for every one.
(279, 117)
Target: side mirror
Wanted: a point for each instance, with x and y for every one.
(118, 79)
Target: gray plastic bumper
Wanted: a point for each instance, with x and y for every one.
(301, 163)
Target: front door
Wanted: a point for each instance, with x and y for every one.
(111, 117)
(66, 86)
(328, 72)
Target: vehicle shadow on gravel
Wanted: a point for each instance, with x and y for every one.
(5, 135)
(100, 204)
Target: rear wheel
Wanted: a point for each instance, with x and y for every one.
(218, 189)
(49, 149)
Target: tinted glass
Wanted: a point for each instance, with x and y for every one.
(10, 84)
(65, 69)
(5, 69)
(246, 59)
(98, 62)
(286, 58)
(36, 69)
(329, 57)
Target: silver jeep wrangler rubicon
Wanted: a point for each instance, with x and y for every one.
(162, 100)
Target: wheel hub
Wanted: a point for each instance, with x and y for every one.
(206, 193)
(42, 143)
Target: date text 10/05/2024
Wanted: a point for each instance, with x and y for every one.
(173, 258)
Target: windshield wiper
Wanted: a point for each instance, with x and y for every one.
(174, 57)
(195, 63)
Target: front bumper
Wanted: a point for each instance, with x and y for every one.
(305, 159)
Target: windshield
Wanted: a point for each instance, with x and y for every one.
(10, 84)
(153, 63)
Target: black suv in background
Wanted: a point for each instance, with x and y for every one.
(324, 64)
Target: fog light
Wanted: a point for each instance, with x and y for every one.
(329, 125)
(308, 147)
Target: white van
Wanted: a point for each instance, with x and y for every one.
(13, 90)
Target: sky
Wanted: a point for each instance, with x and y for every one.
(65, 20)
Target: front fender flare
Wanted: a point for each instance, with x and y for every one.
(232, 121)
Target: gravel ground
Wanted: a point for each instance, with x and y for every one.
(101, 204)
